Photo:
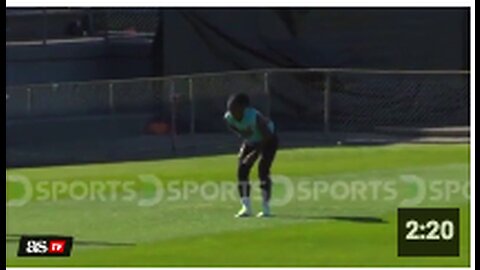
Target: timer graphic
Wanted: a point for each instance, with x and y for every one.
(428, 232)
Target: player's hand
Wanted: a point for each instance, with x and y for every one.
(250, 158)
(242, 150)
(252, 155)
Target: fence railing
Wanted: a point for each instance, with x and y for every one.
(298, 99)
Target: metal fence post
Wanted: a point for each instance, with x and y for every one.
(327, 103)
(45, 26)
(91, 24)
(107, 27)
(193, 117)
(29, 101)
(173, 125)
(266, 87)
(111, 98)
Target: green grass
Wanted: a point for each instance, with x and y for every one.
(196, 231)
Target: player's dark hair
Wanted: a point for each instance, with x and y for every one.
(238, 99)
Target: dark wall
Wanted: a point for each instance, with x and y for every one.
(77, 61)
(215, 40)
(209, 40)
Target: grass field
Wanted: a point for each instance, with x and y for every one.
(321, 230)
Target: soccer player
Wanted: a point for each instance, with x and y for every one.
(260, 141)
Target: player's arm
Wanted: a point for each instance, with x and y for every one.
(262, 124)
(233, 129)
(238, 132)
(267, 135)
(241, 154)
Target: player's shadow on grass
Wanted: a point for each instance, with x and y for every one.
(373, 220)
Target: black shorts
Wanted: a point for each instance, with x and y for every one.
(266, 152)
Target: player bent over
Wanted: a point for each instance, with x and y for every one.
(260, 141)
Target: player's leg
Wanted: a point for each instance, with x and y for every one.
(268, 156)
(247, 158)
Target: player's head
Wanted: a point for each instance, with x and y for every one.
(237, 103)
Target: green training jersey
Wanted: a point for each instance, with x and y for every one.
(249, 123)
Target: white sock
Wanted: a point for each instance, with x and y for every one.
(246, 203)
(266, 207)
(266, 203)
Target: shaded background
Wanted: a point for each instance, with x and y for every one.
(156, 42)
(57, 112)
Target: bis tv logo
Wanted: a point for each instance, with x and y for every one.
(45, 246)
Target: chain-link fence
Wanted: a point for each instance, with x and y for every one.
(364, 100)
(299, 100)
(315, 101)
(44, 25)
